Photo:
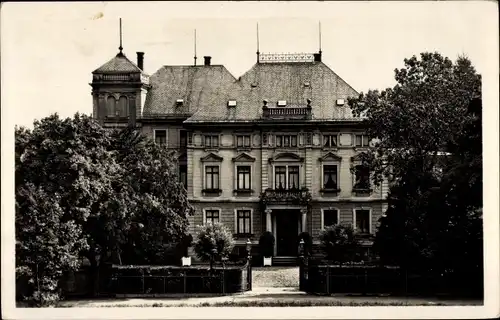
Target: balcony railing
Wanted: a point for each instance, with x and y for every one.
(282, 196)
(286, 112)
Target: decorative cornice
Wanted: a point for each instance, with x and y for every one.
(283, 157)
(329, 156)
(212, 157)
(243, 157)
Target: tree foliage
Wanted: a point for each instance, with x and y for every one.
(214, 242)
(338, 243)
(85, 190)
(429, 148)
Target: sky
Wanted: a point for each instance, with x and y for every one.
(50, 49)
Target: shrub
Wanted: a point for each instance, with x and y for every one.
(338, 243)
(184, 244)
(307, 242)
(266, 244)
(214, 241)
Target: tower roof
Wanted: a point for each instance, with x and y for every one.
(118, 64)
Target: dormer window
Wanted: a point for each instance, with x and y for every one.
(307, 84)
(231, 103)
(281, 103)
(340, 102)
(179, 102)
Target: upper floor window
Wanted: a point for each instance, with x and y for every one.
(160, 136)
(243, 178)
(211, 177)
(122, 110)
(182, 138)
(330, 177)
(329, 140)
(286, 141)
(243, 141)
(111, 106)
(362, 177)
(286, 177)
(211, 141)
(362, 220)
(212, 216)
(361, 140)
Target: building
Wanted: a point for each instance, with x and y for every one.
(271, 150)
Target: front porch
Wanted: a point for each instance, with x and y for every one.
(285, 215)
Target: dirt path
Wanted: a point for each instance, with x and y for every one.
(275, 277)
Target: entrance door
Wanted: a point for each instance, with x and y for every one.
(287, 226)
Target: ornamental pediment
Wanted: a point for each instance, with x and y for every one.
(212, 158)
(243, 157)
(330, 157)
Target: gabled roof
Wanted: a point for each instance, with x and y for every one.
(118, 64)
(293, 82)
(198, 86)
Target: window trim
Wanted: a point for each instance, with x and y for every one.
(236, 220)
(363, 135)
(323, 216)
(211, 135)
(249, 136)
(289, 135)
(241, 164)
(354, 224)
(166, 135)
(369, 189)
(204, 221)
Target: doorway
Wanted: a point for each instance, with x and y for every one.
(287, 227)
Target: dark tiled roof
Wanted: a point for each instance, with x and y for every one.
(293, 82)
(199, 86)
(119, 64)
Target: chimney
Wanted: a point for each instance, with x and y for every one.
(140, 60)
(317, 57)
(207, 60)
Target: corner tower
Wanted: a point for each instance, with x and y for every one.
(119, 90)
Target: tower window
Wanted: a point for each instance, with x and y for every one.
(111, 106)
(122, 110)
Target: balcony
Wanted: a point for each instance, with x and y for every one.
(286, 112)
(282, 196)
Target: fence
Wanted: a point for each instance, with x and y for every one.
(143, 280)
(329, 279)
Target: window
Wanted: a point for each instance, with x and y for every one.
(286, 141)
(111, 106)
(280, 177)
(329, 141)
(243, 222)
(212, 177)
(160, 137)
(211, 216)
(362, 177)
(183, 138)
(293, 177)
(286, 177)
(243, 141)
(330, 217)
(211, 141)
(330, 177)
(362, 222)
(362, 140)
(183, 175)
(122, 109)
(243, 178)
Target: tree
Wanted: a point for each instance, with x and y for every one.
(422, 146)
(117, 189)
(63, 171)
(214, 242)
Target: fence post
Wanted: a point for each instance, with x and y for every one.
(184, 281)
(249, 261)
(328, 279)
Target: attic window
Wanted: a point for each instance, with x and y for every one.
(281, 103)
(307, 84)
(340, 102)
(179, 102)
(231, 103)
(253, 85)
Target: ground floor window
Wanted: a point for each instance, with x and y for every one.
(211, 216)
(243, 222)
(362, 222)
(330, 217)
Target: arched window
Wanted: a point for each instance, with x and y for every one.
(111, 106)
(123, 106)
